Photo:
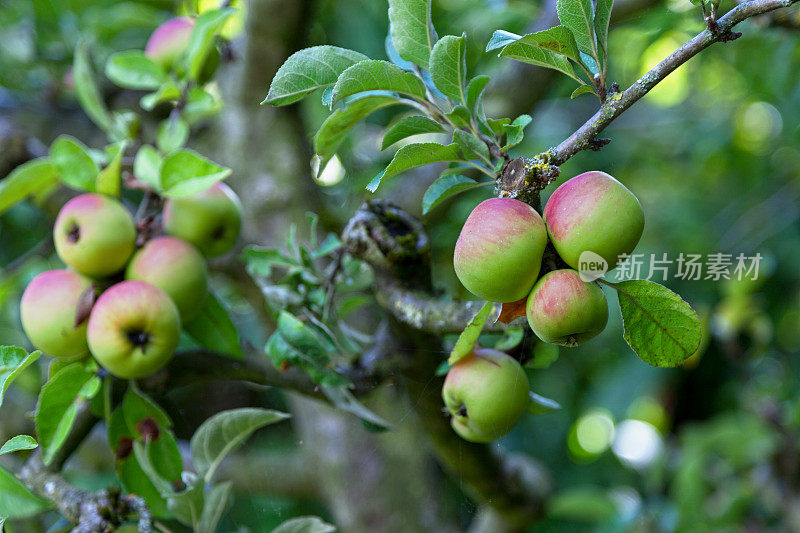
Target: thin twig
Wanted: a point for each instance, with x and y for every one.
(615, 105)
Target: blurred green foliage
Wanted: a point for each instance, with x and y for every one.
(714, 156)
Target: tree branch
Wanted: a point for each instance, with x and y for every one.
(395, 245)
(426, 312)
(391, 240)
(194, 366)
(617, 103)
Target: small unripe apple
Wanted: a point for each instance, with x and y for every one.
(499, 251)
(169, 41)
(211, 219)
(133, 329)
(593, 212)
(564, 309)
(95, 235)
(177, 268)
(486, 392)
(48, 312)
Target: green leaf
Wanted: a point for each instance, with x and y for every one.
(500, 39)
(498, 126)
(446, 187)
(147, 166)
(16, 501)
(471, 146)
(539, 404)
(659, 326)
(109, 180)
(20, 442)
(224, 432)
(557, 39)
(343, 399)
(216, 501)
(186, 172)
(376, 75)
(475, 90)
(260, 260)
(187, 505)
(544, 355)
(167, 91)
(336, 127)
(408, 126)
(602, 16)
(213, 329)
(304, 524)
(172, 134)
(412, 31)
(27, 180)
(590, 63)
(58, 405)
(449, 67)
(125, 126)
(582, 504)
(86, 89)
(583, 89)
(134, 70)
(13, 360)
(414, 155)
(296, 344)
(75, 166)
(466, 341)
(127, 468)
(510, 339)
(515, 131)
(540, 57)
(327, 94)
(459, 116)
(162, 452)
(308, 70)
(200, 105)
(578, 17)
(142, 455)
(201, 42)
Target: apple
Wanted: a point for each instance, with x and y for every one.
(133, 329)
(94, 235)
(486, 392)
(564, 309)
(169, 41)
(211, 219)
(48, 312)
(596, 213)
(499, 251)
(177, 268)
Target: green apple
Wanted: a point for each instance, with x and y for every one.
(48, 312)
(593, 212)
(133, 329)
(211, 220)
(486, 392)
(564, 309)
(95, 235)
(169, 41)
(177, 268)
(499, 251)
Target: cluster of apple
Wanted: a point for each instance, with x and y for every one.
(125, 305)
(498, 257)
